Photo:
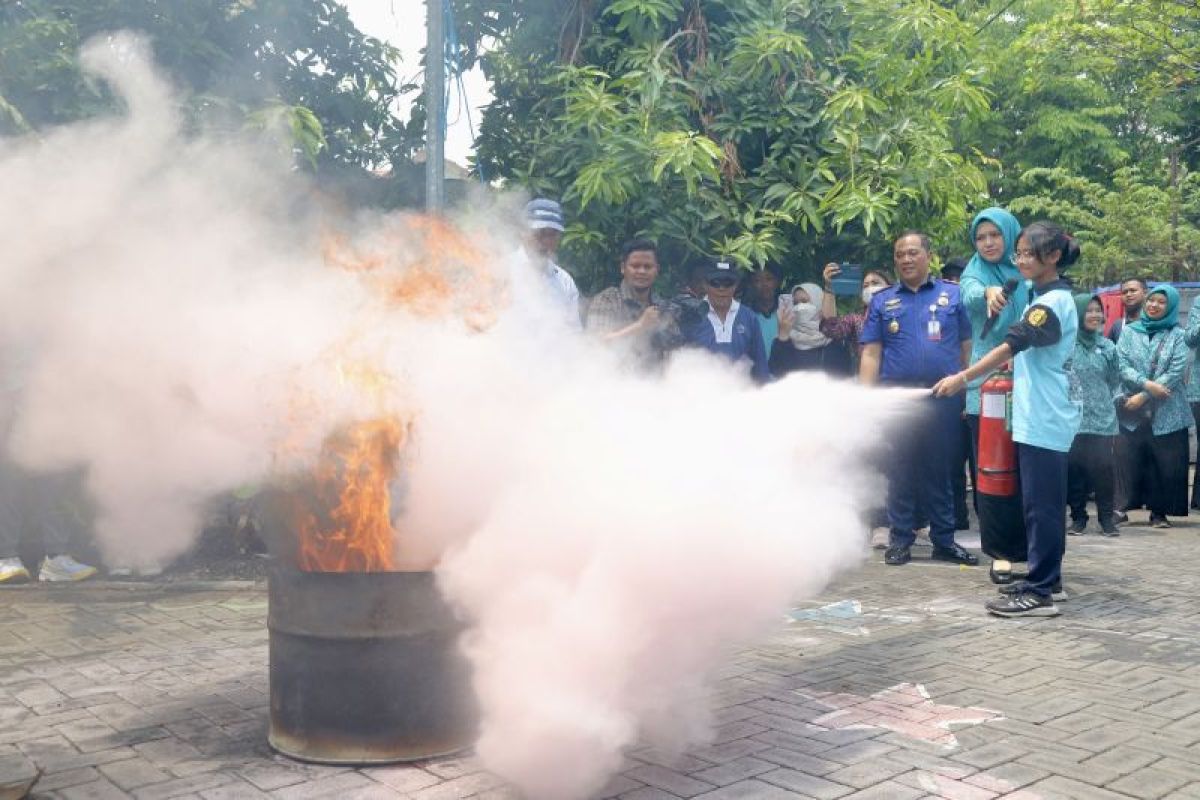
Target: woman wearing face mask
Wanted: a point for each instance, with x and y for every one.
(799, 344)
(1044, 420)
(1155, 417)
(1094, 379)
(844, 330)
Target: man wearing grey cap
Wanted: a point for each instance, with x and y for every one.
(544, 221)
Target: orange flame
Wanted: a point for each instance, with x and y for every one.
(424, 265)
(352, 481)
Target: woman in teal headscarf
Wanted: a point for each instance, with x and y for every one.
(994, 234)
(1153, 355)
(1094, 379)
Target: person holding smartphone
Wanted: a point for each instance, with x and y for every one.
(845, 329)
(800, 345)
(1044, 420)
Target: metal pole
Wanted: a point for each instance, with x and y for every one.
(435, 109)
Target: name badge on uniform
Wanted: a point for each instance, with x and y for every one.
(934, 328)
(891, 304)
(943, 300)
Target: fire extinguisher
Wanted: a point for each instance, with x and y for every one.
(997, 466)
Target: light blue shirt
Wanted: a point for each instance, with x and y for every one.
(1043, 412)
(975, 283)
(1095, 378)
(770, 329)
(1191, 338)
(1136, 352)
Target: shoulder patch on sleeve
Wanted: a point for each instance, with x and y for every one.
(1036, 317)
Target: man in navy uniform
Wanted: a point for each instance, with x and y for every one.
(917, 333)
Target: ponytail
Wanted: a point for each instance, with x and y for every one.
(1045, 238)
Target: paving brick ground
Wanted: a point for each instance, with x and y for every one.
(894, 684)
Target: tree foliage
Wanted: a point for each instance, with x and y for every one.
(1094, 124)
(763, 130)
(299, 64)
(800, 130)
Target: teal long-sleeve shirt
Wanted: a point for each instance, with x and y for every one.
(1095, 379)
(1135, 351)
(974, 284)
(1191, 337)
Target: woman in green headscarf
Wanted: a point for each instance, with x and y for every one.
(1094, 379)
(1153, 356)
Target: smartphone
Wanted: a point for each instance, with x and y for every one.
(785, 302)
(849, 282)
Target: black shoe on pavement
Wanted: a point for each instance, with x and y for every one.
(1121, 518)
(1109, 528)
(1077, 528)
(1024, 604)
(1058, 594)
(897, 555)
(955, 553)
(1159, 522)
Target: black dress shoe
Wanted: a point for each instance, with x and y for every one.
(897, 555)
(955, 553)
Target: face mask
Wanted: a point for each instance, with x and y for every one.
(806, 313)
(868, 292)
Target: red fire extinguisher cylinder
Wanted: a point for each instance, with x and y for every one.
(997, 465)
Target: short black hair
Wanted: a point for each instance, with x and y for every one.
(638, 245)
(924, 237)
(1142, 281)
(955, 264)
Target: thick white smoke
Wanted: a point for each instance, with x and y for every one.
(610, 536)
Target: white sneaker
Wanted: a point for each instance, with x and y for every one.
(13, 571)
(64, 568)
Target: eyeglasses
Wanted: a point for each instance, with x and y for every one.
(1023, 255)
(721, 283)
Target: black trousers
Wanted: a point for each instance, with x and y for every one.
(919, 473)
(1160, 464)
(962, 465)
(1043, 495)
(1091, 462)
(1132, 474)
(1196, 483)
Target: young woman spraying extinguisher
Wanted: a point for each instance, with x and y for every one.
(1044, 418)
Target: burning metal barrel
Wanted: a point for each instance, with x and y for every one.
(364, 658)
(365, 668)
